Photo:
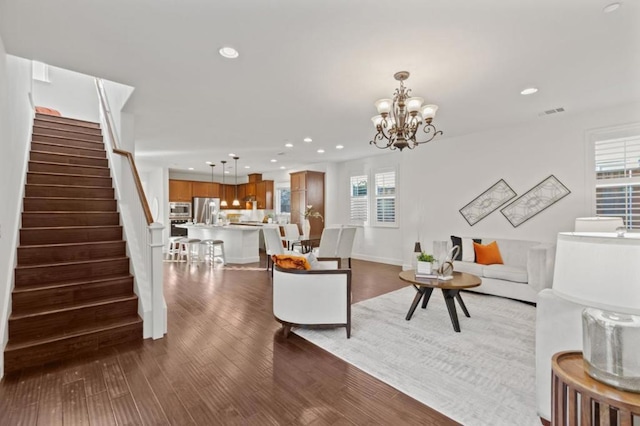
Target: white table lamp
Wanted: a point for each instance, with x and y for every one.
(597, 224)
(602, 270)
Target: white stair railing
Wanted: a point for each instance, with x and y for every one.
(143, 235)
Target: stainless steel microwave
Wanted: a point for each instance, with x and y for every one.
(179, 210)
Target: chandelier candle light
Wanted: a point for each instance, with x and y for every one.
(223, 203)
(236, 203)
(400, 119)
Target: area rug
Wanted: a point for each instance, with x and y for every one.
(484, 375)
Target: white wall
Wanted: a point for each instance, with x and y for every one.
(16, 116)
(71, 93)
(118, 95)
(439, 178)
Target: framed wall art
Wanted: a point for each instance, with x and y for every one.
(487, 202)
(534, 201)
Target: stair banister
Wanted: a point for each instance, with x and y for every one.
(143, 235)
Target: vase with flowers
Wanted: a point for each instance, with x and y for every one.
(308, 214)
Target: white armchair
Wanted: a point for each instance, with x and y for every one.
(316, 297)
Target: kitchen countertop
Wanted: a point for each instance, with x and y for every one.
(234, 226)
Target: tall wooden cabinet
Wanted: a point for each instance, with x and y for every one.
(307, 188)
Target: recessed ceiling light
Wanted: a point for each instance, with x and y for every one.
(529, 91)
(307, 139)
(273, 160)
(339, 146)
(247, 167)
(229, 52)
(321, 151)
(190, 168)
(232, 155)
(288, 145)
(611, 7)
(282, 167)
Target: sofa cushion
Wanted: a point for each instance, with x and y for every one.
(457, 241)
(468, 267)
(488, 254)
(506, 272)
(514, 252)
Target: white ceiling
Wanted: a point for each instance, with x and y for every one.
(314, 68)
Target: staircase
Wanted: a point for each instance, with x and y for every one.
(73, 290)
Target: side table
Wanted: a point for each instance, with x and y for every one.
(578, 399)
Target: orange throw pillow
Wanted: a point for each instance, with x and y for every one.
(286, 261)
(488, 254)
(48, 111)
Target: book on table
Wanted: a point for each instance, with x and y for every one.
(433, 277)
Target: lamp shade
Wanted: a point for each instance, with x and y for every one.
(600, 270)
(414, 104)
(383, 105)
(429, 111)
(597, 224)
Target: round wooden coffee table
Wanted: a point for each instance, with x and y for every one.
(450, 290)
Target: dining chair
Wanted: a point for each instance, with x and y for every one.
(273, 244)
(292, 235)
(345, 243)
(328, 243)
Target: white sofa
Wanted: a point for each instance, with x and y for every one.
(316, 297)
(527, 269)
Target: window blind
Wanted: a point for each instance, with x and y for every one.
(618, 179)
(385, 197)
(359, 199)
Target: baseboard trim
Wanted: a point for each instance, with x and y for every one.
(388, 261)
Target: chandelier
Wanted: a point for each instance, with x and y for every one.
(400, 119)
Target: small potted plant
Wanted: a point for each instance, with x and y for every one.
(424, 263)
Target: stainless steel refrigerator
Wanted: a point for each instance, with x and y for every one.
(205, 210)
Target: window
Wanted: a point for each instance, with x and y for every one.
(385, 198)
(359, 206)
(618, 179)
(283, 200)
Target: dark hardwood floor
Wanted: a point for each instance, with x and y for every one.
(223, 361)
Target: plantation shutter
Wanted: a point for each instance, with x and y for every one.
(618, 179)
(359, 206)
(385, 197)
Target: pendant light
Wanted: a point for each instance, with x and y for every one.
(223, 203)
(211, 203)
(236, 203)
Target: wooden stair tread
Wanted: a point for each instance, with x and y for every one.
(55, 118)
(77, 262)
(99, 143)
(73, 132)
(71, 307)
(43, 228)
(86, 330)
(68, 199)
(65, 146)
(61, 245)
(77, 122)
(51, 163)
(63, 154)
(70, 283)
(68, 174)
(54, 185)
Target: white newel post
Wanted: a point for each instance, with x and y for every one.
(159, 313)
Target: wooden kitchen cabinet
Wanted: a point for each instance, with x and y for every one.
(227, 192)
(298, 181)
(205, 189)
(242, 193)
(251, 189)
(264, 194)
(180, 190)
(307, 188)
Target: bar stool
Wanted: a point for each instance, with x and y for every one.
(190, 248)
(173, 247)
(210, 250)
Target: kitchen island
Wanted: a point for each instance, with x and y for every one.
(241, 242)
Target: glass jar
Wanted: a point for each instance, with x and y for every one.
(611, 348)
